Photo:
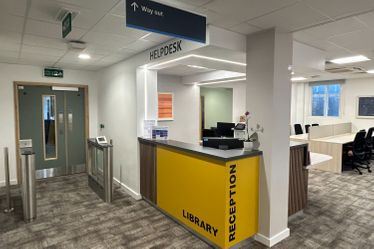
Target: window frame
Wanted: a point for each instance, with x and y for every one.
(326, 98)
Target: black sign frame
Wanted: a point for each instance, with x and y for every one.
(163, 19)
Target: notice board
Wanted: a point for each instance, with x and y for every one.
(365, 107)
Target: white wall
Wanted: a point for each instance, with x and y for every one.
(186, 124)
(239, 99)
(12, 72)
(352, 88)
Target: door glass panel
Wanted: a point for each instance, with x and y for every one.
(49, 127)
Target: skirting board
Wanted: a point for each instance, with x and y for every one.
(128, 190)
(12, 182)
(269, 242)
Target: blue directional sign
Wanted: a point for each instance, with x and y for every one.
(159, 18)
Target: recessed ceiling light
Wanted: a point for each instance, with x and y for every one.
(84, 56)
(197, 67)
(292, 73)
(351, 59)
(298, 78)
(370, 71)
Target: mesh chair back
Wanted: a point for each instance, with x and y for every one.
(298, 129)
(307, 128)
(359, 144)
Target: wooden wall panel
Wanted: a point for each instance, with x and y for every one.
(298, 185)
(148, 171)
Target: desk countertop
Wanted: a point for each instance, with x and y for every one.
(222, 155)
(339, 139)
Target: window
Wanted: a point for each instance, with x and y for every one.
(326, 100)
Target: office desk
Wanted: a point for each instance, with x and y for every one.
(300, 138)
(332, 146)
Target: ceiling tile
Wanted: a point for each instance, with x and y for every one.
(219, 20)
(112, 24)
(5, 53)
(367, 20)
(51, 30)
(11, 23)
(15, 7)
(40, 41)
(91, 4)
(109, 40)
(244, 28)
(336, 28)
(295, 17)
(247, 9)
(43, 51)
(341, 8)
(141, 45)
(10, 39)
(360, 39)
(156, 37)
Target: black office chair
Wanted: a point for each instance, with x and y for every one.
(370, 143)
(358, 153)
(307, 128)
(298, 129)
(315, 124)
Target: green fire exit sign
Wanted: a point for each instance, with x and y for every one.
(66, 25)
(53, 72)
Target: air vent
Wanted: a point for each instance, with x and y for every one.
(315, 76)
(75, 44)
(340, 70)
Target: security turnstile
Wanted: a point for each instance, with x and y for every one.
(100, 169)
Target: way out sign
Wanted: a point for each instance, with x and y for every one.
(159, 18)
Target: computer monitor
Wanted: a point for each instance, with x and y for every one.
(225, 129)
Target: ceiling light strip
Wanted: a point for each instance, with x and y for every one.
(221, 81)
(200, 57)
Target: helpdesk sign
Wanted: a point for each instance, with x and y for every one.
(159, 18)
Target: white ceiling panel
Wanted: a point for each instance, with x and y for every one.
(296, 17)
(361, 39)
(43, 51)
(367, 20)
(341, 8)
(340, 27)
(11, 23)
(109, 40)
(45, 42)
(7, 38)
(141, 45)
(15, 7)
(104, 5)
(247, 9)
(244, 28)
(7, 54)
(50, 30)
(113, 24)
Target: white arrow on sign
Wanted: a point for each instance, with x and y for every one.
(134, 5)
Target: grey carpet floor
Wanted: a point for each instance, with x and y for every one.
(340, 214)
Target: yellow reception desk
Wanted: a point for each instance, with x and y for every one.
(212, 192)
